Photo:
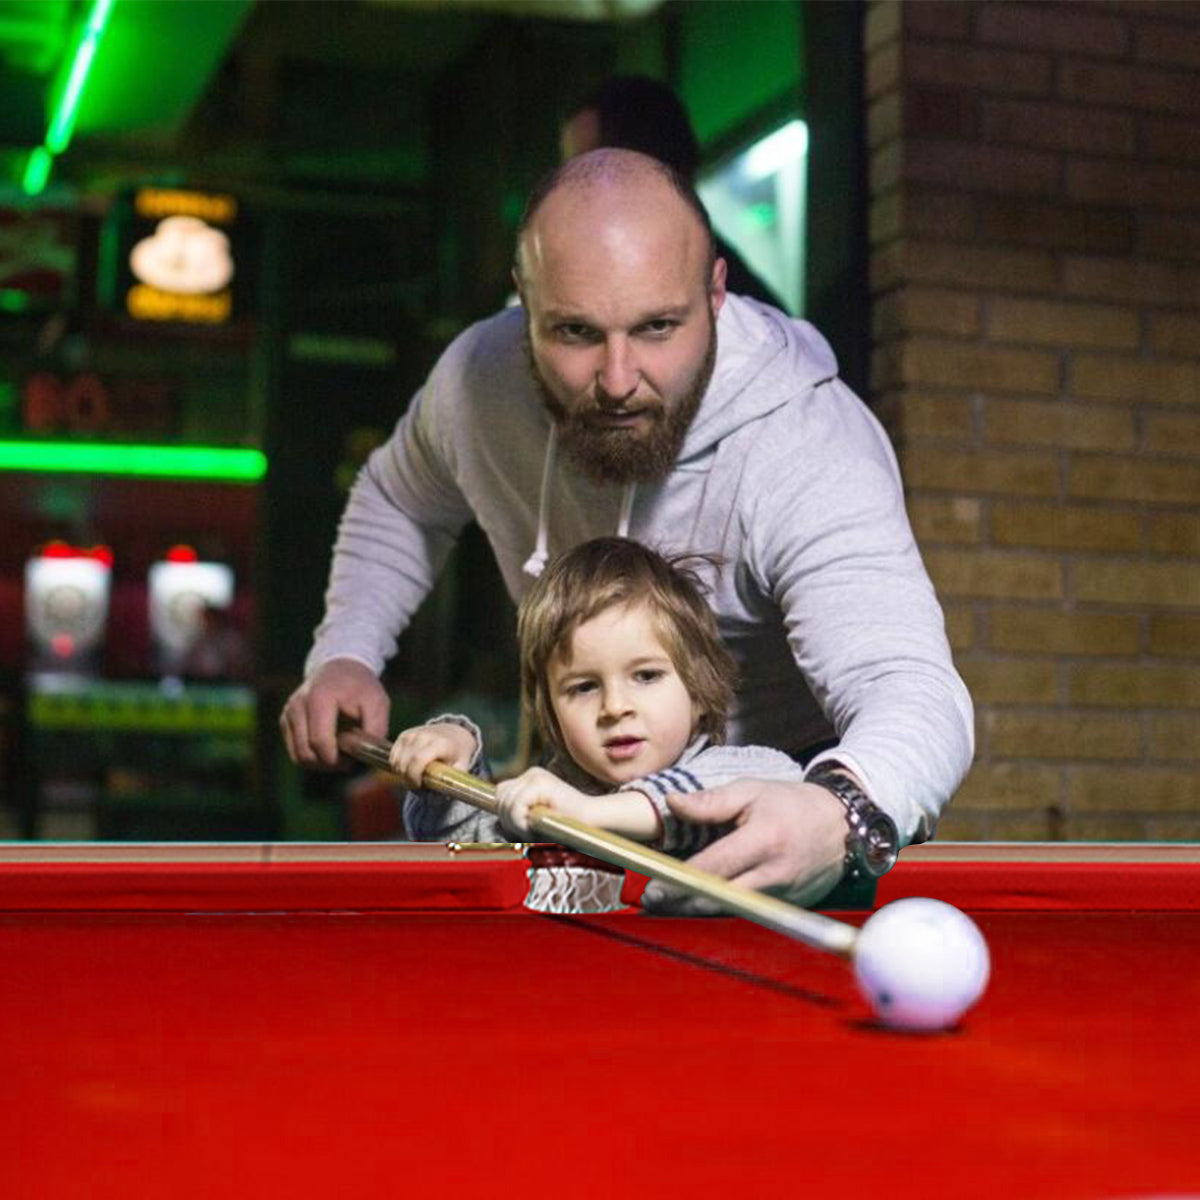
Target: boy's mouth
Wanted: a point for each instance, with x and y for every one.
(623, 747)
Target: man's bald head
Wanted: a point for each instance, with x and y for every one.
(612, 181)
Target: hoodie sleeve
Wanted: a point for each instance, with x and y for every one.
(430, 816)
(401, 520)
(710, 768)
(833, 548)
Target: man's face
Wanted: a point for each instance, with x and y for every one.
(622, 328)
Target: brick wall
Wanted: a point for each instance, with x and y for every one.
(1035, 273)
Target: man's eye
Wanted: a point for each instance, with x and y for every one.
(658, 329)
(575, 333)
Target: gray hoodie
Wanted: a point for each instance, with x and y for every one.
(823, 601)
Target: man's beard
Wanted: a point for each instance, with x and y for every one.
(610, 454)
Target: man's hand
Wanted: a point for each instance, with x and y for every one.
(790, 840)
(443, 742)
(340, 687)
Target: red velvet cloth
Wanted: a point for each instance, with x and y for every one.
(473, 1053)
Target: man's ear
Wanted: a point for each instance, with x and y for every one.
(516, 278)
(716, 286)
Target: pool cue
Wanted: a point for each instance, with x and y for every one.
(814, 929)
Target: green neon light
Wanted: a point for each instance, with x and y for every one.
(170, 462)
(63, 123)
(37, 171)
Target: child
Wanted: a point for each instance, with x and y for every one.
(624, 671)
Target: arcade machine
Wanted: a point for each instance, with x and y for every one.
(162, 758)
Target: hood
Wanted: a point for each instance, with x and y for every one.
(764, 359)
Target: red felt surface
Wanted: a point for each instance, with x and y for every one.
(501, 1053)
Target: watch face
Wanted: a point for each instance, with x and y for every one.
(879, 843)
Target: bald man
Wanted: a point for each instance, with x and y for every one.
(630, 394)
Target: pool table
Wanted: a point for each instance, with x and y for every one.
(266, 1020)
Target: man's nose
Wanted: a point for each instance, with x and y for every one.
(618, 374)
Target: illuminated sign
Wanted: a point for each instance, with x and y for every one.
(179, 257)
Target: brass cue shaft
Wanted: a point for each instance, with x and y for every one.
(814, 929)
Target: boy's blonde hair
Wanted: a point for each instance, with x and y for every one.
(606, 572)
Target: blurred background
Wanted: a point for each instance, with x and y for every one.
(234, 236)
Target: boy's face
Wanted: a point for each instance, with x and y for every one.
(621, 706)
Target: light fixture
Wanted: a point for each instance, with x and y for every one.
(216, 463)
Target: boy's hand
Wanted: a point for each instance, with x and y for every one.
(416, 748)
(538, 786)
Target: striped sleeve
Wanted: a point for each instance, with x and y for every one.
(710, 768)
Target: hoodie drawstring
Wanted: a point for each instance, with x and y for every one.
(535, 564)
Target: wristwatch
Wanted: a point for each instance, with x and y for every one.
(872, 843)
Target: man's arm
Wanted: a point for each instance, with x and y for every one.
(400, 522)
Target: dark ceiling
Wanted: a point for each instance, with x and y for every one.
(309, 91)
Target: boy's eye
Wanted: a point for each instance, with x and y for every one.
(648, 674)
(581, 688)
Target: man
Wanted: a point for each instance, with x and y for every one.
(635, 112)
(631, 394)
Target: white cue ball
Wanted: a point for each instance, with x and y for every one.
(921, 964)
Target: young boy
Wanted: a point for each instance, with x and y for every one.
(629, 684)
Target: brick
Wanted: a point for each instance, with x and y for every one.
(1175, 334)
(1128, 685)
(1040, 735)
(1056, 126)
(1170, 139)
(955, 520)
(1154, 584)
(883, 219)
(1175, 737)
(940, 113)
(883, 70)
(1168, 44)
(973, 266)
(1006, 72)
(1173, 433)
(1052, 322)
(1175, 635)
(883, 120)
(888, 266)
(988, 368)
(1104, 827)
(975, 167)
(1146, 789)
(1076, 227)
(995, 472)
(994, 573)
(1113, 181)
(1178, 827)
(1059, 423)
(1065, 527)
(937, 416)
(1130, 479)
(1169, 236)
(1073, 29)
(1136, 379)
(1175, 533)
(1042, 631)
(886, 166)
(926, 310)
(1164, 284)
(1145, 88)
(972, 825)
(937, 214)
(960, 628)
(1008, 786)
(938, 19)
(882, 24)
